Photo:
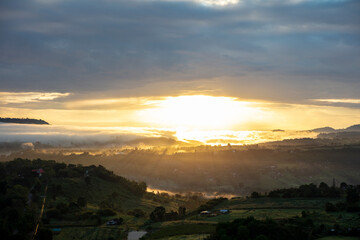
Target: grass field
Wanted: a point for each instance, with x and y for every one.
(257, 213)
(182, 229)
(293, 203)
(279, 208)
(187, 237)
(338, 238)
(90, 233)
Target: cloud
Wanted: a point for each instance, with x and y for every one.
(124, 47)
(342, 102)
(28, 97)
(218, 2)
(355, 101)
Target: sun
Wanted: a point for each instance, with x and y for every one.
(197, 112)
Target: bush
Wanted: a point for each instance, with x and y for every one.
(53, 213)
(255, 195)
(137, 213)
(106, 212)
(81, 202)
(45, 234)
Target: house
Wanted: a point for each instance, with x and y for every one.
(205, 213)
(39, 171)
(115, 221)
(224, 211)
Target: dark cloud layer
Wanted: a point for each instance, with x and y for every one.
(255, 49)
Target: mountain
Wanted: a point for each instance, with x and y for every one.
(323, 130)
(353, 128)
(23, 121)
(332, 130)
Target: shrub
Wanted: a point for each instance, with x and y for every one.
(106, 212)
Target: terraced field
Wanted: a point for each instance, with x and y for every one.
(91, 233)
(262, 208)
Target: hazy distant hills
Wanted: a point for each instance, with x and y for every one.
(323, 130)
(347, 135)
(353, 128)
(23, 121)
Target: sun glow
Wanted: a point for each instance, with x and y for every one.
(198, 112)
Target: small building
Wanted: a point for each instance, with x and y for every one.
(56, 231)
(115, 221)
(39, 171)
(205, 213)
(224, 211)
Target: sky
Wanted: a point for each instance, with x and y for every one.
(265, 64)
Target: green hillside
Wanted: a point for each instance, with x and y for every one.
(52, 200)
(76, 199)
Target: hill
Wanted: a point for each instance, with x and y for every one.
(75, 197)
(218, 169)
(353, 128)
(333, 130)
(324, 130)
(23, 121)
(91, 202)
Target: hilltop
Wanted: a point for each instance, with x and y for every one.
(23, 121)
(355, 128)
(75, 197)
(323, 130)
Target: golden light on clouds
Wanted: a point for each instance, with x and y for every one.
(342, 100)
(26, 97)
(199, 112)
(204, 118)
(218, 2)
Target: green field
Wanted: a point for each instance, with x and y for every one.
(338, 238)
(90, 233)
(288, 203)
(262, 208)
(182, 229)
(257, 213)
(187, 237)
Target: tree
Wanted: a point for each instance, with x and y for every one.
(352, 196)
(158, 214)
(255, 195)
(45, 234)
(81, 202)
(182, 211)
(343, 185)
(324, 189)
(87, 180)
(261, 237)
(329, 207)
(115, 195)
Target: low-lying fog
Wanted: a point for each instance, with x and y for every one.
(68, 136)
(230, 166)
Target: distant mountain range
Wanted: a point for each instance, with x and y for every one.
(23, 121)
(353, 128)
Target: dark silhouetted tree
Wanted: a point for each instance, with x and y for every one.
(158, 214)
(81, 202)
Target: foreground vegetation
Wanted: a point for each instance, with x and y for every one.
(304, 215)
(91, 202)
(78, 201)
